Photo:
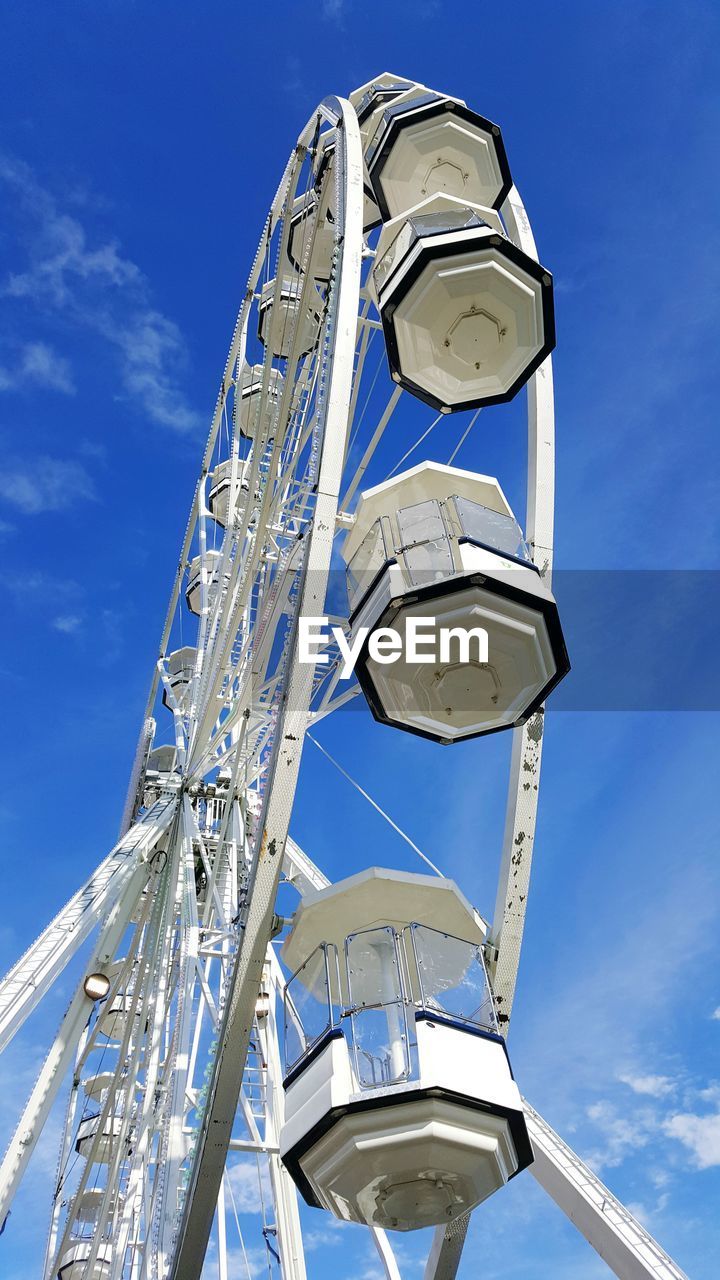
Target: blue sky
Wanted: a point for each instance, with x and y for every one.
(139, 149)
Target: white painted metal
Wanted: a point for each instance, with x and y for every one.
(63, 1049)
(623, 1242)
(188, 904)
(524, 779)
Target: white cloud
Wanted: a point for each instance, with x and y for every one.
(42, 365)
(6, 528)
(151, 346)
(41, 589)
(246, 1183)
(715, 1015)
(651, 1086)
(622, 1134)
(39, 365)
(67, 623)
(95, 288)
(700, 1134)
(322, 1237)
(45, 484)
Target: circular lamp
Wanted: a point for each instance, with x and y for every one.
(430, 144)
(467, 316)
(96, 986)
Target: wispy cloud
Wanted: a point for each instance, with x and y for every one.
(94, 287)
(38, 365)
(622, 1134)
(247, 1185)
(651, 1086)
(67, 623)
(45, 484)
(35, 588)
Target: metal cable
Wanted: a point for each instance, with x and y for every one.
(376, 806)
(463, 438)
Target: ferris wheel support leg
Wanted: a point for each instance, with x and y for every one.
(620, 1240)
(63, 1051)
(446, 1250)
(387, 1257)
(216, 1127)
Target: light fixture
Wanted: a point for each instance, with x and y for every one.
(96, 986)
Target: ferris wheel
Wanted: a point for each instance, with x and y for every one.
(353, 1053)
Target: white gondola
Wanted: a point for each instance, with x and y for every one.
(256, 412)
(281, 327)
(112, 1020)
(88, 1207)
(88, 1131)
(193, 591)
(74, 1262)
(400, 1106)
(434, 548)
(95, 1086)
(161, 760)
(429, 143)
(180, 665)
(467, 316)
(219, 480)
(310, 216)
(371, 100)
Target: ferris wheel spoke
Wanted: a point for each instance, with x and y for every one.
(211, 686)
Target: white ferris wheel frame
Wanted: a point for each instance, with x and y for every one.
(150, 870)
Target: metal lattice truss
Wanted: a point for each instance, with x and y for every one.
(177, 1073)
